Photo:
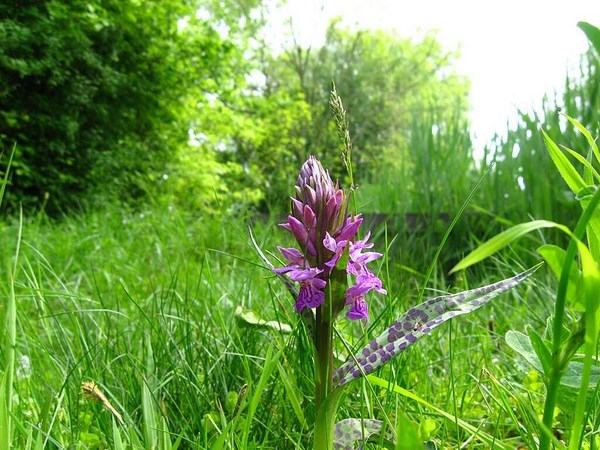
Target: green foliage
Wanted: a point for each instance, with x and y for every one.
(553, 357)
(387, 83)
(522, 171)
(96, 94)
(256, 138)
(102, 98)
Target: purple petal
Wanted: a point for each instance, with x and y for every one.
(298, 229)
(309, 296)
(357, 290)
(337, 247)
(359, 310)
(300, 274)
(300, 232)
(297, 206)
(357, 246)
(364, 258)
(350, 228)
(309, 218)
(334, 205)
(292, 255)
(329, 243)
(312, 194)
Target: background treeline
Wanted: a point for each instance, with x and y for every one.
(184, 103)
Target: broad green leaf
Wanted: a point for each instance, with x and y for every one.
(592, 306)
(418, 322)
(4, 416)
(165, 436)
(409, 437)
(592, 33)
(571, 385)
(586, 164)
(555, 258)
(591, 285)
(149, 416)
(572, 377)
(501, 240)
(249, 317)
(521, 344)
(350, 431)
(585, 196)
(565, 168)
(588, 136)
(116, 434)
(542, 350)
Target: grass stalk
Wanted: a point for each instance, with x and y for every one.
(559, 363)
(10, 343)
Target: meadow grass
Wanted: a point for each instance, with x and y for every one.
(143, 305)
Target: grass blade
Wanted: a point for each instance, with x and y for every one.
(490, 441)
(565, 168)
(501, 240)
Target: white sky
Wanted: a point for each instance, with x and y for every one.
(513, 51)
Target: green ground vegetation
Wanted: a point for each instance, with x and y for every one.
(137, 313)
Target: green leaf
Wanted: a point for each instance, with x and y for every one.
(586, 164)
(410, 437)
(521, 344)
(572, 377)
(4, 416)
(585, 196)
(149, 417)
(117, 441)
(565, 168)
(250, 318)
(592, 33)
(542, 350)
(165, 436)
(588, 136)
(501, 240)
(555, 258)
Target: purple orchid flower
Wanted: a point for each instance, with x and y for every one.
(325, 231)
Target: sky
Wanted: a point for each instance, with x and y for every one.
(513, 51)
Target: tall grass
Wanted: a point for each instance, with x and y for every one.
(522, 181)
(143, 306)
(429, 174)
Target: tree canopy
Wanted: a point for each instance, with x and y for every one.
(182, 99)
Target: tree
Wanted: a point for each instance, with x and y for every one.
(385, 81)
(98, 94)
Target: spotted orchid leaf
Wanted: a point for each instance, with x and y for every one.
(349, 431)
(416, 323)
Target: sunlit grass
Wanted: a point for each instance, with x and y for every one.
(141, 305)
